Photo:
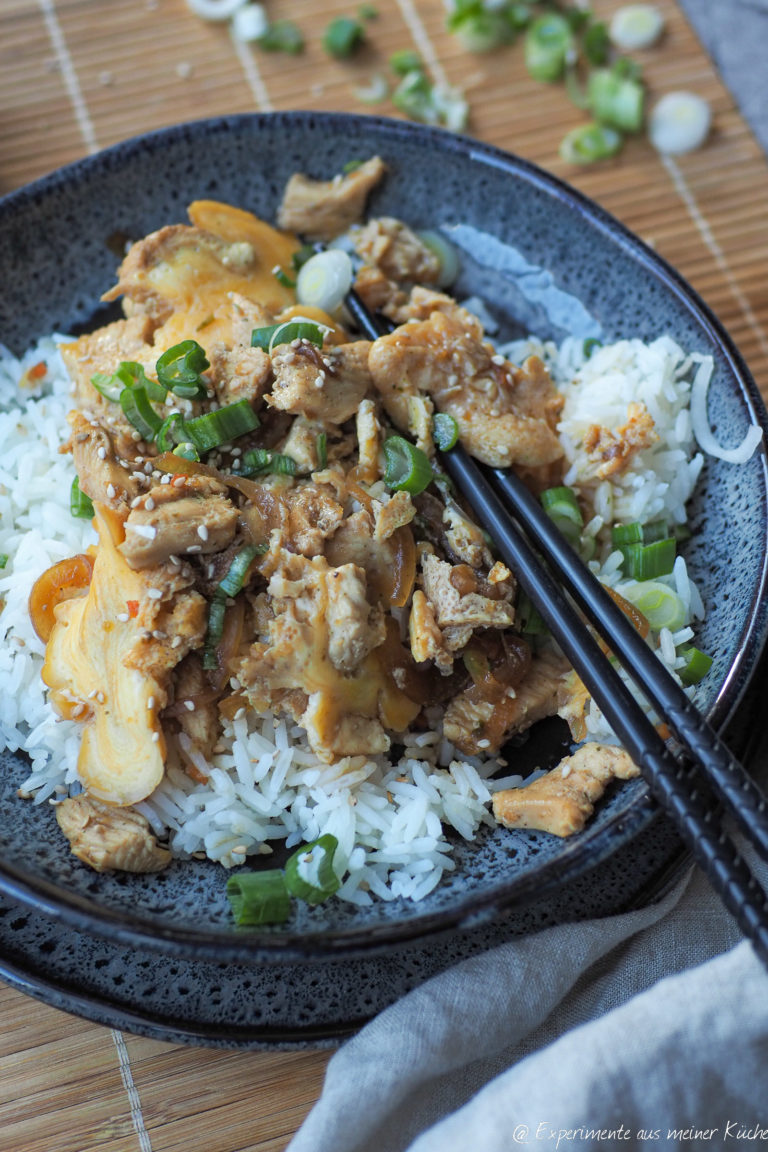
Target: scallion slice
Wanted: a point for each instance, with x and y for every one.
(171, 432)
(234, 581)
(649, 561)
(282, 36)
(343, 37)
(616, 100)
(80, 505)
(4, 558)
(562, 507)
(309, 872)
(108, 386)
(408, 469)
(528, 618)
(214, 428)
(696, 666)
(596, 42)
(589, 143)
(324, 280)
(590, 345)
(186, 451)
(259, 897)
(659, 603)
(637, 533)
(405, 61)
(258, 461)
(548, 42)
(179, 369)
(445, 431)
(275, 334)
(321, 445)
(140, 413)
(283, 278)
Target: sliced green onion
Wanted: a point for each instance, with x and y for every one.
(179, 368)
(217, 610)
(548, 43)
(661, 606)
(368, 12)
(4, 558)
(133, 375)
(309, 872)
(283, 278)
(257, 461)
(186, 450)
(324, 280)
(140, 413)
(679, 123)
(301, 255)
(234, 581)
(167, 437)
(636, 26)
(445, 431)
(528, 618)
(282, 36)
(419, 99)
(108, 385)
(405, 61)
(407, 468)
(275, 334)
(696, 666)
(596, 42)
(589, 143)
(480, 29)
(321, 445)
(343, 37)
(80, 505)
(562, 507)
(648, 561)
(637, 533)
(259, 897)
(214, 428)
(446, 254)
(615, 100)
(589, 346)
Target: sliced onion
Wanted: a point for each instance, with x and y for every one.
(324, 280)
(446, 254)
(636, 26)
(215, 9)
(679, 123)
(700, 422)
(249, 22)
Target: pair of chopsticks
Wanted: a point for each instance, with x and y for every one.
(690, 784)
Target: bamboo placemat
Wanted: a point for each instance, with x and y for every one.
(78, 75)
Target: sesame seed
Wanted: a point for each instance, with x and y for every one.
(497, 359)
(240, 849)
(149, 504)
(92, 693)
(189, 705)
(240, 713)
(195, 548)
(136, 436)
(123, 617)
(320, 380)
(100, 697)
(101, 452)
(158, 634)
(566, 771)
(148, 469)
(176, 642)
(483, 743)
(78, 710)
(155, 737)
(202, 531)
(154, 593)
(136, 501)
(111, 492)
(178, 481)
(151, 703)
(165, 478)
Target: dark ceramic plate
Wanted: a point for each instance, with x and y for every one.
(548, 261)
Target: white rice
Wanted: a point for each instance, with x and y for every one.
(264, 784)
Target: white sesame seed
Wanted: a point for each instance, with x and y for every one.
(149, 504)
(100, 697)
(151, 703)
(483, 743)
(154, 593)
(155, 737)
(240, 849)
(195, 548)
(189, 705)
(165, 478)
(111, 491)
(101, 452)
(202, 531)
(240, 713)
(78, 710)
(566, 771)
(497, 359)
(123, 617)
(158, 634)
(178, 481)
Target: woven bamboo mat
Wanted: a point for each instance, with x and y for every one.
(77, 75)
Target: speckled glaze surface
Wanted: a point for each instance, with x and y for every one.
(547, 260)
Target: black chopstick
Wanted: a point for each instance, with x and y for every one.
(670, 781)
(726, 776)
(674, 784)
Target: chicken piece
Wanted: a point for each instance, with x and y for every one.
(322, 639)
(301, 444)
(107, 663)
(240, 373)
(368, 432)
(320, 384)
(184, 277)
(390, 245)
(425, 637)
(201, 721)
(246, 315)
(562, 801)
(194, 516)
(354, 542)
(102, 475)
(320, 210)
(459, 613)
(396, 513)
(422, 302)
(506, 415)
(477, 725)
(465, 540)
(105, 837)
(101, 352)
(378, 292)
(313, 517)
(612, 452)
